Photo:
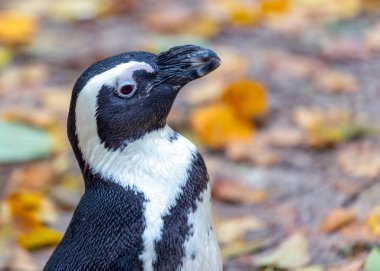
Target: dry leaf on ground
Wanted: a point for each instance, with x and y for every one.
(233, 229)
(217, 125)
(247, 98)
(290, 254)
(337, 219)
(39, 237)
(373, 221)
(256, 150)
(17, 28)
(232, 191)
(325, 127)
(335, 81)
(360, 159)
(352, 265)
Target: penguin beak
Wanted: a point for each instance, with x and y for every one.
(182, 64)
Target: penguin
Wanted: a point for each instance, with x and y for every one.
(146, 204)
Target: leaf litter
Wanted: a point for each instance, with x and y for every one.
(289, 121)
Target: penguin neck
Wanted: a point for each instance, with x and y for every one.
(156, 155)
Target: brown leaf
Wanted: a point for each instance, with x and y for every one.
(286, 137)
(33, 177)
(337, 219)
(351, 265)
(326, 127)
(359, 160)
(335, 81)
(358, 232)
(256, 150)
(235, 192)
(22, 260)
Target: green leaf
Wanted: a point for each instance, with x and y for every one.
(19, 143)
(373, 260)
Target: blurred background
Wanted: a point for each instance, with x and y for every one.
(288, 125)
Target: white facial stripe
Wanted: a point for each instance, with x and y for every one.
(85, 109)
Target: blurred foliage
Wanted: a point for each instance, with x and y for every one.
(288, 125)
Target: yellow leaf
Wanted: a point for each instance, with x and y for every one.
(274, 6)
(5, 56)
(24, 209)
(17, 28)
(374, 221)
(324, 127)
(235, 228)
(247, 98)
(39, 237)
(241, 13)
(217, 125)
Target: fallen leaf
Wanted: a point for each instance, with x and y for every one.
(360, 159)
(373, 221)
(233, 229)
(38, 238)
(33, 177)
(257, 150)
(169, 20)
(372, 39)
(235, 192)
(247, 98)
(239, 248)
(373, 261)
(22, 260)
(79, 10)
(326, 127)
(7, 245)
(357, 232)
(352, 265)
(19, 143)
(290, 254)
(17, 28)
(274, 6)
(337, 219)
(336, 81)
(285, 137)
(217, 125)
(68, 192)
(5, 56)
(24, 208)
(311, 268)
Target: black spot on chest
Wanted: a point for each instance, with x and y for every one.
(105, 232)
(170, 249)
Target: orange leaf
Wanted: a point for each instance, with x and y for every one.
(16, 28)
(337, 219)
(39, 237)
(274, 6)
(233, 191)
(217, 125)
(24, 209)
(247, 98)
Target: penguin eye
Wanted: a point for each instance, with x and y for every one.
(127, 90)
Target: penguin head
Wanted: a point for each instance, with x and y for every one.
(120, 99)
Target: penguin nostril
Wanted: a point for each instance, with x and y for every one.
(205, 59)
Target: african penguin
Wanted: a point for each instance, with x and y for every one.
(146, 204)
